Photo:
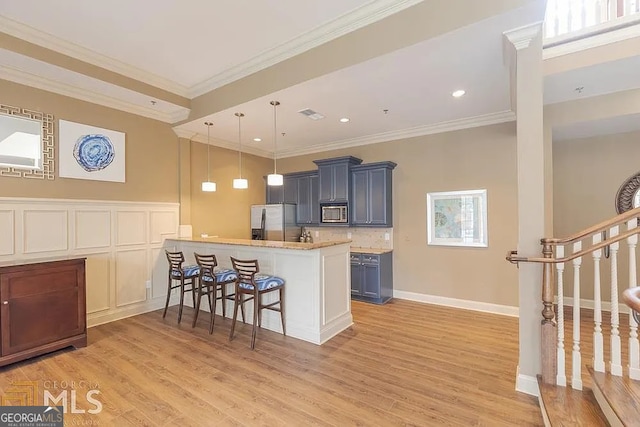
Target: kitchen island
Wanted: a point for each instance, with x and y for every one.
(317, 275)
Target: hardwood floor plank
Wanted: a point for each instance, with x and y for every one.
(403, 363)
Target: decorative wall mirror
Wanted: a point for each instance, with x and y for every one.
(628, 196)
(26, 143)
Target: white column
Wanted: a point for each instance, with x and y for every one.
(526, 44)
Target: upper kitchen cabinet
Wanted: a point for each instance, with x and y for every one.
(334, 177)
(308, 212)
(371, 201)
(285, 193)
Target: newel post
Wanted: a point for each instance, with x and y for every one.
(548, 344)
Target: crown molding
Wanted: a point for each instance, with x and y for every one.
(453, 125)
(49, 85)
(604, 34)
(521, 37)
(40, 38)
(340, 26)
(187, 134)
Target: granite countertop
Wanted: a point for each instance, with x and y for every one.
(373, 251)
(263, 243)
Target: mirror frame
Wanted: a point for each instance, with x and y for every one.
(627, 193)
(48, 145)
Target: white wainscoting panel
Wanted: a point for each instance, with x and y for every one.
(45, 231)
(162, 224)
(121, 242)
(98, 280)
(335, 305)
(93, 229)
(131, 276)
(7, 231)
(131, 228)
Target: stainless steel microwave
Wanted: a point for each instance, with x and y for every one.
(331, 214)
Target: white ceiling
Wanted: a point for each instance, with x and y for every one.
(181, 45)
(414, 84)
(602, 127)
(595, 80)
(219, 41)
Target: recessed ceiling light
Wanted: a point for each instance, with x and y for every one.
(257, 139)
(458, 93)
(344, 120)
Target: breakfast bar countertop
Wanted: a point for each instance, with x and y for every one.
(373, 251)
(264, 243)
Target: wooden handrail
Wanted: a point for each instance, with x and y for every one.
(598, 228)
(631, 297)
(514, 258)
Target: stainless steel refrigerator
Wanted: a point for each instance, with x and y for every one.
(274, 222)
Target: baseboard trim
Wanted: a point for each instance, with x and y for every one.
(484, 307)
(96, 319)
(527, 384)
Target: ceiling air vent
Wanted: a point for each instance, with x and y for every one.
(313, 115)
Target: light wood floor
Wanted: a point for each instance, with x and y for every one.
(403, 363)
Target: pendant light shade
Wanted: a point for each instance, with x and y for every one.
(207, 185)
(275, 178)
(240, 183)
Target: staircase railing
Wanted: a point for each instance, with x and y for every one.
(615, 240)
(568, 16)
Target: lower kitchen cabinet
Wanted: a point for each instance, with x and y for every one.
(372, 277)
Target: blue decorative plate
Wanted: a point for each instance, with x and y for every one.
(94, 152)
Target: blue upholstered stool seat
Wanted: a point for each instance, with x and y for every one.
(222, 275)
(188, 271)
(264, 282)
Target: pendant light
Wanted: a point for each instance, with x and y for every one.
(275, 178)
(208, 186)
(240, 183)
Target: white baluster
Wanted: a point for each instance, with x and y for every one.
(613, 10)
(634, 346)
(561, 376)
(616, 363)
(598, 343)
(576, 366)
(601, 11)
(628, 7)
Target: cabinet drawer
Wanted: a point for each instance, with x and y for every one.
(355, 258)
(370, 259)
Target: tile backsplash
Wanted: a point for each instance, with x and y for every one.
(361, 237)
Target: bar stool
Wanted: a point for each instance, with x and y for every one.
(211, 280)
(184, 276)
(252, 284)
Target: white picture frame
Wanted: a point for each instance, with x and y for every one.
(457, 218)
(89, 152)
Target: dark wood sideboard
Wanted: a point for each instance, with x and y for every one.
(43, 307)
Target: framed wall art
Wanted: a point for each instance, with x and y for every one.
(457, 218)
(88, 152)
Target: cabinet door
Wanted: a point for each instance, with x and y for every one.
(314, 205)
(341, 182)
(275, 194)
(303, 211)
(359, 197)
(377, 200)
(326, 182)
(41, 307)
(290, 190)
(370, 279)
(356, 277)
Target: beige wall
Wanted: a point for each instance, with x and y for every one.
(587, 175)
(152, 172)
(151, 148)
(469, 159)
(226, 212)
